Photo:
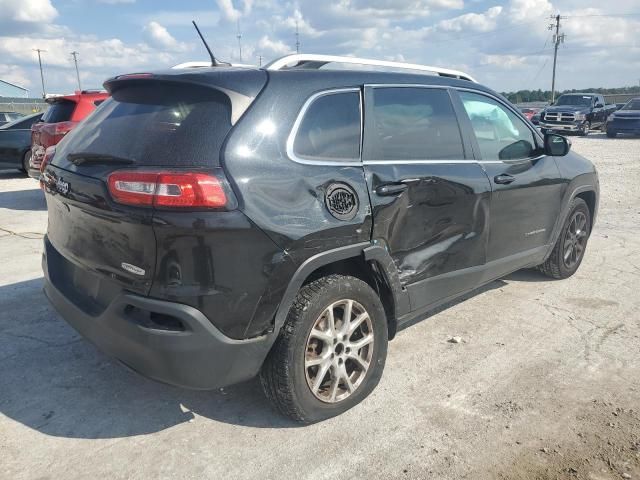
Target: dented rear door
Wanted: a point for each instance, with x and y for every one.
(430, 198)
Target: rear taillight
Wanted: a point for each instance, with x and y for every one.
(48, 155)
(170, 189)
(61, 129)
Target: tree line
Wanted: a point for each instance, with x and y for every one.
(522, 96)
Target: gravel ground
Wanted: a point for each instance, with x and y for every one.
(544, 384)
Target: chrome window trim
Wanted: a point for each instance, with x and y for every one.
(301, 114)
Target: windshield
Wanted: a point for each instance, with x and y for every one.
(632, 105)
(575, 100)
(153, 124)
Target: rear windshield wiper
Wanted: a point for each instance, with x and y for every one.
(90, 157)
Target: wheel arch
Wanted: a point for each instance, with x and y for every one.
(365, 261)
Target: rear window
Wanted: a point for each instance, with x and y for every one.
(59, 112)
(155, 125)
(330, 129)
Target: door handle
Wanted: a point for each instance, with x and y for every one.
(504, 179)
(391, 189)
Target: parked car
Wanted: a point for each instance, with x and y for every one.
(535, 118)
(626, 120)
(8, 117)
(576, 113)
(15, 142)
(529, 112)
(63, 114)
(212, 224)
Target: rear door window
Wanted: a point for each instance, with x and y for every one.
(330, 128)
(59, 112)
(159, 124)
(413, 124)
(500, 133)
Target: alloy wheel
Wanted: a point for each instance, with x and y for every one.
(339, 351)
(575, 240)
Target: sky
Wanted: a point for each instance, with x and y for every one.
(505, 45)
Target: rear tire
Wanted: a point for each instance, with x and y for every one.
(26, 158)
(319, 368)
(569, 249)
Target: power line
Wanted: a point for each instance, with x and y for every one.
(75, 54)
(604, 15)
(239, 37)
(44, 93)
(558, 38)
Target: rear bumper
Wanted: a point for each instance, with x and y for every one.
(196, 356)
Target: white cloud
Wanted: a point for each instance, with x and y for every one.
(231, 13)
(475, 22)
(520, 10)
(274, 47)
(504, 61)
(28, 11)
(159, 37)
(15, 74)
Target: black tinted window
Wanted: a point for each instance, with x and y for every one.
(157, 124)
(632, 105)
(414, 124)
(59, 112)
(330, 128)
(501, 134)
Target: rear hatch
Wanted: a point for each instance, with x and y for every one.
(148, 125)
(55, 124)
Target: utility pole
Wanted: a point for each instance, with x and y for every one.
(259, 60)
(239, 37)
(44, 93)
(297, 38)
(75, 54)
(558, 38)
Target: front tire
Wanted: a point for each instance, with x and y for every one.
(26, 159)
(331, 351)
(611, 134)
(585, 130)
(569, 249)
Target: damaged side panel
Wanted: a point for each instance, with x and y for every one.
(438, 225)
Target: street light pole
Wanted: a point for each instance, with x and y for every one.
(75, 54)
(44, 93)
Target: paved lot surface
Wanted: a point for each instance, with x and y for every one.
(546, 383)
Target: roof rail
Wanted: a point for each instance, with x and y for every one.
(208, 65)
(306, 60)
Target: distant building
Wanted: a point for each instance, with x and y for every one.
(8, 89)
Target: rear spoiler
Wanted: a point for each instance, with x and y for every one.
(239, 101)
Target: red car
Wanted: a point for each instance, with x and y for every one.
(64, 113)
(529, 112)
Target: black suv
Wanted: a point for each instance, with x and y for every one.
(207, 225)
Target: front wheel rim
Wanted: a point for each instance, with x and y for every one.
(339, 351)
(575, 240)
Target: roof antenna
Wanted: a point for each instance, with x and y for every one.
(214, 62)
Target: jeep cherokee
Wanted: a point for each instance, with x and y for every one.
(207, 225)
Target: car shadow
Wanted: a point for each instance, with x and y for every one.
(31, 199)
(57, 383)
(12, 173)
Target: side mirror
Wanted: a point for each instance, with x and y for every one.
(556, 145)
